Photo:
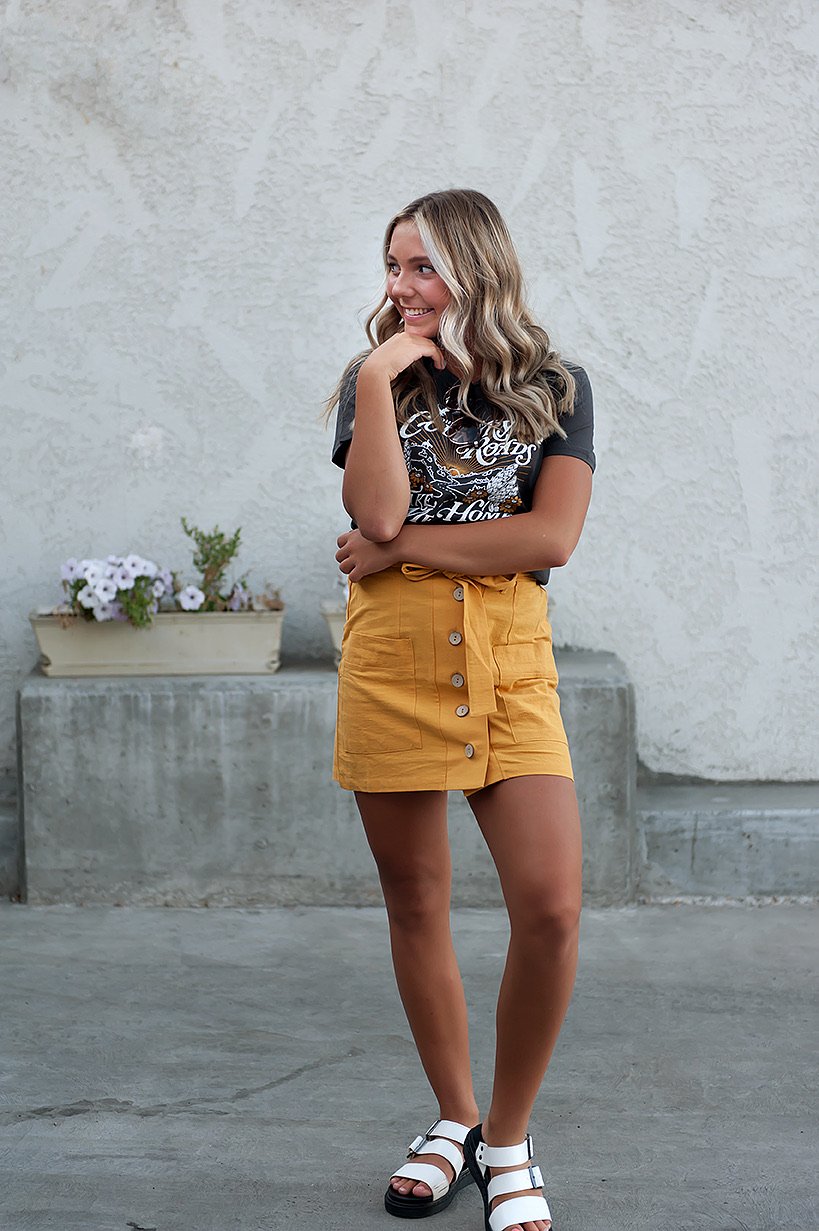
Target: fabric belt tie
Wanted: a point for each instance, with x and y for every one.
(480, 682)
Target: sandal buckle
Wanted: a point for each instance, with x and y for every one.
(536, 1176)
(415, 1144)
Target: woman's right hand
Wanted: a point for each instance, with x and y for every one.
(401, 350)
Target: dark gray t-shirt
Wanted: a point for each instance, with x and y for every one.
(473, 471)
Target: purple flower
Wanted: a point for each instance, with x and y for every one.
(239, 598)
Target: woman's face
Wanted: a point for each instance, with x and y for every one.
(417, 291)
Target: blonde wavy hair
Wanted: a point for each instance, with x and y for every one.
(487, 319)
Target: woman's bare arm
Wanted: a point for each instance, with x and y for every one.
(376, 491)
(544, 538)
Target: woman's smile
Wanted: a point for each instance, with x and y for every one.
(414, 313)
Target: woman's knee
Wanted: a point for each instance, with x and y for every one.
(415, 898)
(552, 920)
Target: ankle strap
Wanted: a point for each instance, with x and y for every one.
(448, 1128)
(504, 1156)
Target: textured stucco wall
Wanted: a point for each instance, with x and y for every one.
(194, 198)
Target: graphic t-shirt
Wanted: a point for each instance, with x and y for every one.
(473, 471)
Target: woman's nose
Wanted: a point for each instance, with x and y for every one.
(400, 286)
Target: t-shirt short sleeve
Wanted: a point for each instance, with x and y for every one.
(579, 442)
(345, 417)
(579, 427)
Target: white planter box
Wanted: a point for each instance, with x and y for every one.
(336, 617)
(177, 643)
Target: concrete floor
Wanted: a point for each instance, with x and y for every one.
(251, 1069)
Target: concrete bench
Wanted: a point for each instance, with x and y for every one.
(218, 790)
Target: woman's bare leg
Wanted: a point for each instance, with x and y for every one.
(532, 828)
(407, 833)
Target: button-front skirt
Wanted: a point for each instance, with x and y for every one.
(446, 682)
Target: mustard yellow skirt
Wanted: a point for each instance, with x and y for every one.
(446, 682)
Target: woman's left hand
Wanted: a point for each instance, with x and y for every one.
(358, 557)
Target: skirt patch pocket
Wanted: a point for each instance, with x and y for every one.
(377, 695)
(528, 689)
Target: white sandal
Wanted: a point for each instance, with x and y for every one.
(518, 1210)
(434, 1141)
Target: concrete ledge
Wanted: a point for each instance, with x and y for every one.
(737, 840)
(218, 790)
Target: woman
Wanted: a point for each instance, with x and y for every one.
(467, 449)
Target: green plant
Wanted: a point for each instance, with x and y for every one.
(213, 554)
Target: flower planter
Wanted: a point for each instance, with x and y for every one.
(336, 617)
(177, 643)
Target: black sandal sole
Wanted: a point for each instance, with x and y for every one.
(473, 1139)
(405, 1206)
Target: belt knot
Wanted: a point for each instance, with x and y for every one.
(478, 648)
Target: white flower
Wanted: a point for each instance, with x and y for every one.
(105, 590)
(166, 577)
(104, 611)
(69, 570)
(87, 597)
(191, 598)
(158, 587)
(149, 569)
(113, 559)
(139, 567)
(117, 612)
(123, 578)
(93, 572)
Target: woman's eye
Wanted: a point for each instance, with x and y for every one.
(392, 268)
(427, 268)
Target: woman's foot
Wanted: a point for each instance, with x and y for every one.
(539, 1224)
(491, 1161)
(406, 1186)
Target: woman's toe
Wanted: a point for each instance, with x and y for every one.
(422, 1190)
